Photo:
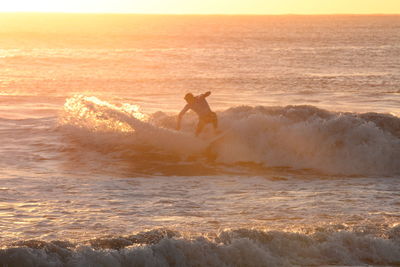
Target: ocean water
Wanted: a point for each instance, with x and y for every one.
(93, 172)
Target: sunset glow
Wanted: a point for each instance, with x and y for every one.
(206, 6)
(199, 133)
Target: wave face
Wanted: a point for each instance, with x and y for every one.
(242, 247)
(295, 137)
(305, 137)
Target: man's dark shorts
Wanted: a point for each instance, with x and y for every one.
(209, 118)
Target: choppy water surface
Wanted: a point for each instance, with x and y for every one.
(93, 172)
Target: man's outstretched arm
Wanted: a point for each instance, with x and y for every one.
(183, 111)
(207, 94)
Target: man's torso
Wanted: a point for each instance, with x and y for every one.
(200, 106)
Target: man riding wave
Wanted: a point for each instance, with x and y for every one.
(199, 105)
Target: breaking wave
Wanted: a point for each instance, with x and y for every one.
(242, 247)
(296, 137)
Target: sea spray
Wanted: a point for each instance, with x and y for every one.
(297, 137)
(98, 116)
(241, 247)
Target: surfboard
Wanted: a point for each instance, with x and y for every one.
(210, 152)
(218, 136)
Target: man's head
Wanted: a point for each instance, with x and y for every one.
(189, 97)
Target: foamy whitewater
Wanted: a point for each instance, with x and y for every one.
(94, 173)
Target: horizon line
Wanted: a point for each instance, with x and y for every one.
(200, 14)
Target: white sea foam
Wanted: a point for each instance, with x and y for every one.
(242, 247)
(299, 137)
(307, 137)
(102, 118)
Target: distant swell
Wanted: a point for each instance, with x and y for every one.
(242, 247)
(295, 137)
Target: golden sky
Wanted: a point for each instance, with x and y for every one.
(206, 6)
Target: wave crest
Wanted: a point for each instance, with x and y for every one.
(242, 247)
(307, 137)
(297, 137)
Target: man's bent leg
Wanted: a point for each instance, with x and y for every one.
(214, 121)
(200, 126)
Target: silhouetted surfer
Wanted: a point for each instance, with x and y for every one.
(199, 105)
